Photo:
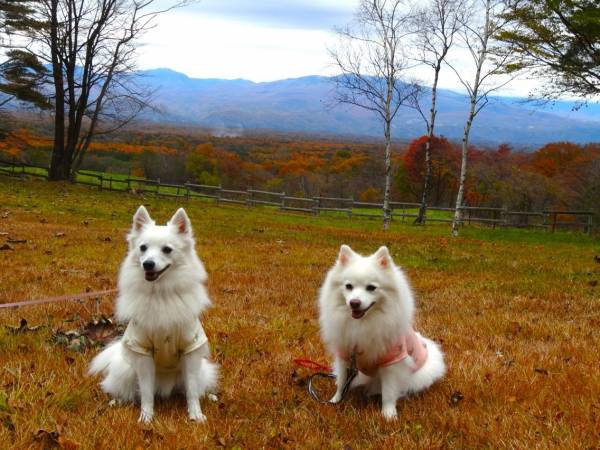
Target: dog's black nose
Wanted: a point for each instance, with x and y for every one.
(148, 264)
(354, 304)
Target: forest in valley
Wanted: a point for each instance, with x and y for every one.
(560, 175)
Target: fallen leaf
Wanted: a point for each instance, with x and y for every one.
(23, 327)
(67, 444)
(46, 439)
(100, 330)
(540, 370)
(456, 398)
(297, 379)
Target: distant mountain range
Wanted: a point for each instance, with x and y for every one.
(304, 105)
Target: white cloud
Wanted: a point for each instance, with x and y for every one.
(262, 41)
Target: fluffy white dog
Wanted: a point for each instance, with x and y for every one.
(366, 311)
(161, 296)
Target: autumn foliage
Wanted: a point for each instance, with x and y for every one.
(557, 175)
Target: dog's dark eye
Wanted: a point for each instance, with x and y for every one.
(349, 287)
(167, 250)
(143, 248)
(371, 288)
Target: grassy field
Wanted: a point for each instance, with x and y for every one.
(517, 313)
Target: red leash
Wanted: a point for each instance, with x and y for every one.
(312, 365)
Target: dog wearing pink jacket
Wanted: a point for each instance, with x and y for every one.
(366, 312)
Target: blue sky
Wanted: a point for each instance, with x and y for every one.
(259, 40)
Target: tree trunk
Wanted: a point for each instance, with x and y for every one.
(473, 110)
(463, 172)
(60, 165)
(387, 210)
(420, 220)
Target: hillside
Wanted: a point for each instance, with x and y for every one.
(305, 105)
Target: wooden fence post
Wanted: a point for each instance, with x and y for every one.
(544, 220)
(590, 221)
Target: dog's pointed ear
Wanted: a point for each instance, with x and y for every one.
(383, 258)
(346, 253)
(181, 221)
(141, 218)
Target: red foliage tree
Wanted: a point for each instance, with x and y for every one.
(445, 158)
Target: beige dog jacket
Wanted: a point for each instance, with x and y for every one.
(165, 346)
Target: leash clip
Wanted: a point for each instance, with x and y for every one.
(351, 373)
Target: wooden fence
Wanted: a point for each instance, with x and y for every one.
(550, 220)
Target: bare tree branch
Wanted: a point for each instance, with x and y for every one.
(370, 56)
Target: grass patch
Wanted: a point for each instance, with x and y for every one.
(514, 310)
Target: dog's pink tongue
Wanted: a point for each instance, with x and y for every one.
(150, 276)
(357, 314)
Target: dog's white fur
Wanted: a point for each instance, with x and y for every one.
(388, 312)
(174, 299)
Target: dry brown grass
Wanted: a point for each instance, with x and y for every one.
(517, 314)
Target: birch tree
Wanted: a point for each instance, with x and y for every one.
(488, 73)
(436, 26)
(372, 63)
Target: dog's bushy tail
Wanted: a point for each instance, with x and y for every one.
(119, 377)
(101, 362)
(209, 378)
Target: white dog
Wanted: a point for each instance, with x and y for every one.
(366, 311)
(161, 296)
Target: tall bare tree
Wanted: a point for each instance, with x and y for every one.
(436, 25)
(489, 73)
(372, 63)
(89, 46)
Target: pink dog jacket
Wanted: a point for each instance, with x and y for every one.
(408, 344)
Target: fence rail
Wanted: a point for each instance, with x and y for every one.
(550, 220)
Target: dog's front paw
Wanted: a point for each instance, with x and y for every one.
(389, 412)
(197, 416)
(213, 397)
(336, 398)
(146, 416)
(195, 413)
